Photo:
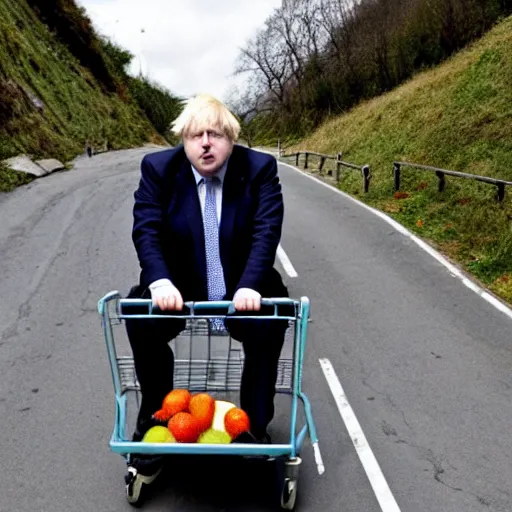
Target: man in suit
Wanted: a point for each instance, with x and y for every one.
(207, 223)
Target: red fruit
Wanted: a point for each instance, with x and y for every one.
(184, 427)
(175, 401)
(236, 422)
(161, 415)
(202, 407)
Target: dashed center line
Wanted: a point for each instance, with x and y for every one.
(285, 262)
(371, 466)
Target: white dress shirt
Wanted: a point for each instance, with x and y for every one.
(201, 190)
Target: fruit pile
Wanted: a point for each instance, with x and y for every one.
(196, 418)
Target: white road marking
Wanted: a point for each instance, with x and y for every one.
(371, 466)
(456, 272)
(285, 262)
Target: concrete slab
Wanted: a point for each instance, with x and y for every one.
(50, 165)
(22, 163)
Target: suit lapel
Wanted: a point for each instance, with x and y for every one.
(186, 189)
(231, 193)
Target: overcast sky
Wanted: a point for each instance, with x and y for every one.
(188, 46)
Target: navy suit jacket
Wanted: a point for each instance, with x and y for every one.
(168, 227)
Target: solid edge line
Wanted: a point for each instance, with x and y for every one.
(456, 272)
(285, 262)
(373, 471)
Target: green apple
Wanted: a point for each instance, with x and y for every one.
(158, 434)
(212, 436)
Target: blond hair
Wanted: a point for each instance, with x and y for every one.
(204, 112)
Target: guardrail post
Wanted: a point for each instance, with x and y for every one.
(278, 148)
(396, 176)
(297, 155)
(321, 165)
(366, 177)
(442, 180)
(501, 191)
(338, 167)
(306, 154)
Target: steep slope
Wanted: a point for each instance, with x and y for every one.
(457, 116)
(50, 105)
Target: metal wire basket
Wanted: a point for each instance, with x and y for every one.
(207, 360)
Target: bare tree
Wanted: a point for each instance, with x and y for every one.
(317, 56)
(266, 60)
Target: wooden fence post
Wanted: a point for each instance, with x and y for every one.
(442, 180)
(306, 160)
(321, 165)
(366, 177)
(501, 191)
(396, 176)
(338, 167)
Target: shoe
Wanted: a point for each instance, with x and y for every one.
(142, 471)
(249, 438)
(265, 439)
(245, 438)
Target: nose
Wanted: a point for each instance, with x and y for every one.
(206, 139)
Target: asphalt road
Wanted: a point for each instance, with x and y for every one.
(424, 361)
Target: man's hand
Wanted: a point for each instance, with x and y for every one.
(166, 296)
(246, 299)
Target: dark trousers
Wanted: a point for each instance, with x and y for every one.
(262, 342)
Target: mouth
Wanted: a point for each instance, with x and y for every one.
(207, 158)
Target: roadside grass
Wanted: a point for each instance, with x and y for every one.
(457, 116)
(10, 179)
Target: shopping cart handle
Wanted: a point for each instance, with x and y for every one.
(230, 305)
(221, 307)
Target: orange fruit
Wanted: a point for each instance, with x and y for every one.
(184, 427)
(236, 422)
(202, 407)
(175, 401)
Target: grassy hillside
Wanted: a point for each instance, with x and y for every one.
(457, 116)
(49, 104)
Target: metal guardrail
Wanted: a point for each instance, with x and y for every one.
(397, 168)
(365, 169)
(441, 173)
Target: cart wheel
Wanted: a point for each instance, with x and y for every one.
(134, 488)
(137, 486)
(287, 473)
(289, 494)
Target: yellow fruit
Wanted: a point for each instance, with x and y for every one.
(211, 436)
(158, 434)
(221, 408)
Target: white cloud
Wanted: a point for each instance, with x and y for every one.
(187, 46)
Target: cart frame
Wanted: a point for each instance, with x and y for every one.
(111, 307)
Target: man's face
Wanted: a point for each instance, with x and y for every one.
(207, 150)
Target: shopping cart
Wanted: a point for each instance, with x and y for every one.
(207, 360)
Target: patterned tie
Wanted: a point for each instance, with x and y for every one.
(214, 271)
